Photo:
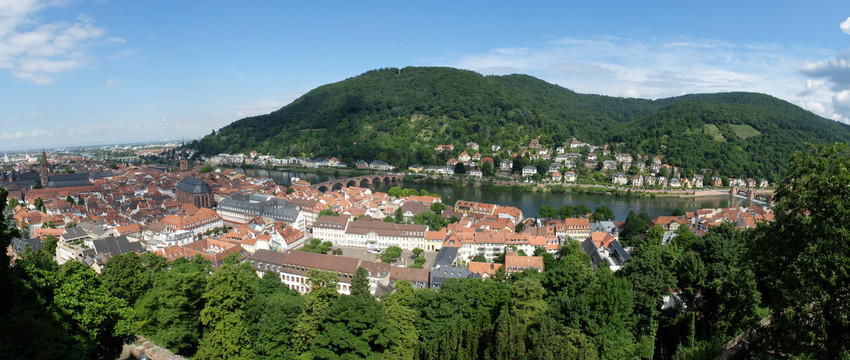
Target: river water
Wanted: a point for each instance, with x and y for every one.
(530, 202)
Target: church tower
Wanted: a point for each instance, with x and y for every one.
(43, 170)
(184, 159)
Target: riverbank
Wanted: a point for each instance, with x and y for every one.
(564, 188)
(529, 200)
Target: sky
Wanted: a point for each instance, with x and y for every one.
(77, 72)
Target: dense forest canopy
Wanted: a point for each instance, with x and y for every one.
(400, 115)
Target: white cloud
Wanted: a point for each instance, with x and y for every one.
(113, 82)
(665, 67)
(35, 52)
(831, 80)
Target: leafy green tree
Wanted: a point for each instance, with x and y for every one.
(518, 164)
(602, 308)
(95, 320)
(80, 201)
(633, 226)
(460, 169)
(129, 275)
(581, 210)
(566, 211)
(479, 258)
(526, 301)
(322, 294)
(44, 257)
(69, 199)
(487, 169)
(677, 212)
(432, 220)
(317, 246)
(419, 261)
(351, 327)
(417, 252)
(275, 327)
(437, 207)
(548, 211)
(39, 204)
(360, 284)
(399, 216)
(391, 254)
(227, 293)
(802, 257)
(603, 213)
(329, 212)
(13, 202)
(401, 333)
(651, 279)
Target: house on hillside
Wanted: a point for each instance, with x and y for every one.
(619, 179)
(529, 171)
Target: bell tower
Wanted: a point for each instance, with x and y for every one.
(43, 170)
(184, 159)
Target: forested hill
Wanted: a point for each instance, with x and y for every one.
(400, 115)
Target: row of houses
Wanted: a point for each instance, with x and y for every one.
(367, 232)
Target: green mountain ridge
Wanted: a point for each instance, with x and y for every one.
(400, 115)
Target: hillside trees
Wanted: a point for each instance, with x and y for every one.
(400, 116)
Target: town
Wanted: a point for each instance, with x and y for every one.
(573, 163)
(95, 209)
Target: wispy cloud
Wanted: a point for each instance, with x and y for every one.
(845, 26)
(664, 67)
(37, 52)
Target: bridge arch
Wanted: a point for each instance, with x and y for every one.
(351, 183)
(322, 188)
(376, 181)
(337, 186)
(364, 183)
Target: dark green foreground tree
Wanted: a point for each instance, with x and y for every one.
(805, 256)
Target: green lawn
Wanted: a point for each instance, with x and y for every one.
(744, 131)
(714, 132)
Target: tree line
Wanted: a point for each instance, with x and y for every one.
(400, 115)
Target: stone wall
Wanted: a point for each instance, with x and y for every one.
(149, 349)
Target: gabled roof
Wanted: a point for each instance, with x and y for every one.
(590, 249)
(116, 246)
(194, 185)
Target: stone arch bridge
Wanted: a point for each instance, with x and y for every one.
(364, 181)
(762, 196)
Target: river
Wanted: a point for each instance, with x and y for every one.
(530, 202)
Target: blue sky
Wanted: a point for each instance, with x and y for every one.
(94, 72)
